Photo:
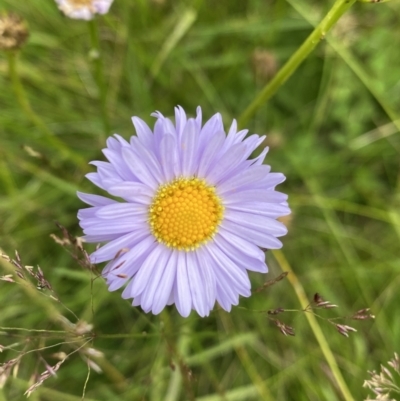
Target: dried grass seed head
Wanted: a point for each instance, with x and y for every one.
(13, 32)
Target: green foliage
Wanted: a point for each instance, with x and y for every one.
(333, 131)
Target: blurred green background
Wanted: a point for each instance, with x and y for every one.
(333, 130)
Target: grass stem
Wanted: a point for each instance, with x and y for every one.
(179, 350)
(318, 34)
(246, 361)
(25, 106)
(319, 335)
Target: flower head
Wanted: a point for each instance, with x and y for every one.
(194, 217)
(84, 9)
(13, 32)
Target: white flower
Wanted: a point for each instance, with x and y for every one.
(84, 9)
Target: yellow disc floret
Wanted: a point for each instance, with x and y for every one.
(81, 2)
(185, 213)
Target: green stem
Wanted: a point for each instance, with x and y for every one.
(179, 375)
(25, 105)
(178, 349)
(338, 9)
(95, 56)
(6, 178)
(319, 335)
(263, 390)
(373, 1)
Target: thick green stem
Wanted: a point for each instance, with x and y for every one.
(25, 105)
(96, 57)
(338, 9)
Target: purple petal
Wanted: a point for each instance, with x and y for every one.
(95, 178)
(113, 248)
(180, 120)
(255, 263)
(149, 274)
(168, 157)
(254, 195)
(139, 167)
(155, 282)
(162, 295)
(271, 180)
(232, 274)
(149, 158)
(119, 165)
(143, 132)
(183, 298)
(188, 149)
(120, 226)
(121, 210)
(198, 118)
(213, 125)
(133, 191)
(113, 144)
(247, 248)
(210, 152)
(99, 238)
(129, 263)
(118, 272)
(226, 163)
(258, 161)
(226, 295)
(106, 171)
(95, 200)
(208, 278)
(256, 222)
(246, 179)
(88, 213)
(121, 140)
(273, 210)
(259, 238)
(196, 284)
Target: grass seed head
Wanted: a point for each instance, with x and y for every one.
(13, 32)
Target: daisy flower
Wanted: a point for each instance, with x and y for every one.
(84, 9)
(195, 216)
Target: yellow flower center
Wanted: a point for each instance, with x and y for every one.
(185, 213)
(81, 2)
